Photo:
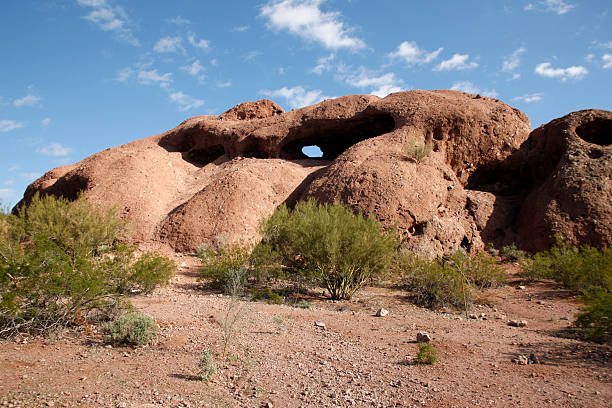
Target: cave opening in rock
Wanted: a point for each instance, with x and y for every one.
(312, 152)
(201, 157)
(334, 136)
(598, 131)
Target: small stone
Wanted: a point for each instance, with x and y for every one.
(517, 323)
(564, 318)
(473, 316)
(521, 287)
(320, 324)
(382, 313)
(539, 302)
(423, 337)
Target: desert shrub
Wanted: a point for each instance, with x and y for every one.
(268, 294)
(206, 366)
(132, 328)
(511, 253)
(221, 263)
(596, 317)
(329, 245)
(417, 151)
(427, 354)
(449, 281)
(578, 268)
(302, 304)
(61, 265)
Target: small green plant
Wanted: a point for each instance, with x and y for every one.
(427, 354)
(207, 367)
(279, 322)
(329, 245)
(267, 293)
(596, 317)
(132, 328)
(303, 304)
(511, 253)
(417, 151)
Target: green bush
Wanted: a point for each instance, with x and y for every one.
(220, 263)
(596, 318)
(427, 354)
(132, 328)
(206, 366)
(268, 294)
(417, 151)
(329, 245)
(61, 264)
(511, 253)
(449, 281)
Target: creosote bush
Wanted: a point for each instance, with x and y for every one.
(132, 328)
(417, 151)
(329, 245)
(427, 354)
(61, 264)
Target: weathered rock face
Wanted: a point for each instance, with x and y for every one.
(218, 176)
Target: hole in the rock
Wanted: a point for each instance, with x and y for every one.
(312, 151)
(465, 244)
(204, 156)
(598, 131)
(438, 134)
(334, 136)
(595, 154)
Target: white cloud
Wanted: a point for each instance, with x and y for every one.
(202, 44)
(193, 69)
(9, 182)
(410, 52)
(225, 84)
(297, 96)
(178, 20)
(109, 18)
(28, 100)
(169, 45)
(251, 55)
(45, 122)
(545, 69)
(185, 102)
(323, 64)
(153, 77)
(467, 86)
(305, 19)
(590, 58)
(381, 85)
(241, 29)
(607, 60)
(124, 74)
(528, 98)
(457, 61)
(54, 149)
(554, 6)
(8, 125)
(512, 62)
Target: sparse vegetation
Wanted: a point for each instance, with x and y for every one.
(279, 322)
(132, 328)
(511, 253)
(207, 367)
(427, 354)
(417, 151)
(329, 245)
(61, 264)
(303, 304)
(268, 294)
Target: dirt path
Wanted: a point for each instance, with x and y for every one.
(279, 358)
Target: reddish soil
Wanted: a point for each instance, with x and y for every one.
(359, 360)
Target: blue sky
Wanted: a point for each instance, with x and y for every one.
(79, 76)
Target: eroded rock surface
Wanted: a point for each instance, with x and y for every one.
(218, 176)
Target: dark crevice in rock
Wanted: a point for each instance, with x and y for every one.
(597, 131)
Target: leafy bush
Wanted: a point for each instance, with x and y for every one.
(303, 304)
(61, 265)
(221, 262)
(511, 253)
(449, 282)
(132, 328)
(427, 354)
(206, 366)
(271, 297)
(417, 151)
(596, 318)
(582, 269)
(329, 245)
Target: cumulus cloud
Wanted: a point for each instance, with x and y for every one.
(202, 44)
(457, 62)
(28, 100)
(193, 69)
(469, 87)
(297, 96)
(529, 97)
(607, 60)
(546, 69)
(169, 45)
(54, 149)
(124, 74)
(512, 62)
(153, 77)
(8, 125)
(553, 6)
(241, 29)
(45, 122)
(305, 19)
(381, 85)
(225, 84)
(410, 52)
(184, 101)
(323, 64)
(110, 18)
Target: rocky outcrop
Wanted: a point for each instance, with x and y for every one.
(218, 176)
